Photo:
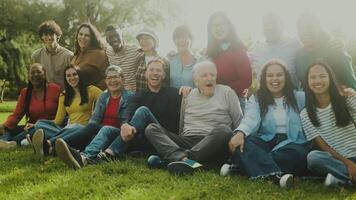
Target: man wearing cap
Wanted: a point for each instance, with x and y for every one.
(128, 57)
(148, 41)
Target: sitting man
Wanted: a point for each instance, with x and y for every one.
(156, 105)
(208, 114)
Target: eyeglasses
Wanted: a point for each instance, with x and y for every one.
(113, 78)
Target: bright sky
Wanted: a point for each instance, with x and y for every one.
(247, 17)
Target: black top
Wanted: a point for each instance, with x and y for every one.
(164, 105)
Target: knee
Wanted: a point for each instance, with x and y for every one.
(222, 133)
(151, 129)
(142, 109)
(315, 159)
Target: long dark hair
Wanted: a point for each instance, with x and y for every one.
(69, 91)
(95, 39)
(338, 102)
(213, 48)
(29, 90)
(264, 96)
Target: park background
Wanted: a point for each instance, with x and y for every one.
(23, 176)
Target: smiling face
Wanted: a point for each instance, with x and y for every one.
(72, 77)
(146, 42)
(83, 38)
(318, 80)
(50, 40)
(37, 75)
(113, 38)
(205, 78)
(114, 81)
(275, 80)
(219, 28)
(155, 75)
(182, 42)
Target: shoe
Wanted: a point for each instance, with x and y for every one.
(228, 169)
(7, 145)
(155, 162)
(183, 167)
(286, 181)
(331, 180)
(70, 156)
(37, 141)
(103, 156)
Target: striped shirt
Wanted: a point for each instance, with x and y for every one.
(341, 139)
(128, 59)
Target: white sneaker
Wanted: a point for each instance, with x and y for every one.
(331, 180)
(225, 170)
(24, 142)
(286, 181)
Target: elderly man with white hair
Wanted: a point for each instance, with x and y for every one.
(208, 115)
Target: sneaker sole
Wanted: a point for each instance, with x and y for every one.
(7, 145)
(65, 155)
(37, 142)
(28, 138)
(289, 182)
(179, 169)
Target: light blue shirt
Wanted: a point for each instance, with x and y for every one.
(266, 128)
(181, 75)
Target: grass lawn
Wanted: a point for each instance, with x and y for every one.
(24, 176)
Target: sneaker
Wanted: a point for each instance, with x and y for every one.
(228, 169)
(37, 141)
(331, 180)
(183, 167)
(103, 156)
(286, 181)
(7, 145)
(155, 162)
(27, 141)
(70, 156)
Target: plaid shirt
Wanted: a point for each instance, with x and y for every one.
(141, 82)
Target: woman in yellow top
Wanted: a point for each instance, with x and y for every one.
(77, 102)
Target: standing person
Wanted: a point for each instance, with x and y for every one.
(89, 55)
(329, 121)
(227, 51)
(158, 105)
(128, 57)
(181, 64)
(37, 101)
(318, 44)
(77, 102)
(149, 43)
(52, 56)
(275, 46)
(270, 141)
(208, 115)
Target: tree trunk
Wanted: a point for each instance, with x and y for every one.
(2, 89)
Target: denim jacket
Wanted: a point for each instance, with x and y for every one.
(266, 129)
(102, 102)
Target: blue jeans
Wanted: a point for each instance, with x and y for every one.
(80, 137)
(53, 131)
(109, 137)
(259, 161)
(322, 163)
(17, 134)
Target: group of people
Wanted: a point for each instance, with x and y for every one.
(186, 110)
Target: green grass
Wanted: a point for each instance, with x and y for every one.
(24, 176)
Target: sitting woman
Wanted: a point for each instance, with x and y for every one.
(270, 141)
(38, 100)
(77, 102)
(329, 121)
(108, 110)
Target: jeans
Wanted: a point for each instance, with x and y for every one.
(258, 160)
(322, 163)
(202, 148)
(53, 131)
(109, 137)
(81, 137)
(17, 134)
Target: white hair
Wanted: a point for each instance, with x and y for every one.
(200, 65)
